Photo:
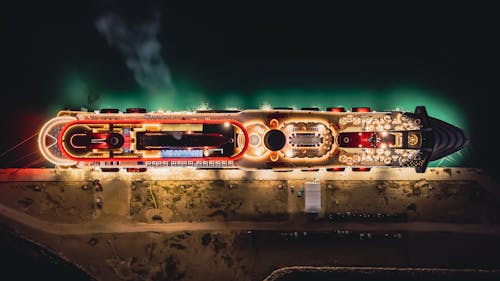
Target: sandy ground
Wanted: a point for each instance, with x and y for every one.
(51, 201)
(193, 201)
(176, 201)
(451, 201)
(251, 255)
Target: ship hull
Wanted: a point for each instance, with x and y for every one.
(278, 139)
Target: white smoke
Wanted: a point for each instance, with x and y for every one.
(138, 43)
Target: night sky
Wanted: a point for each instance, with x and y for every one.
(54, 55)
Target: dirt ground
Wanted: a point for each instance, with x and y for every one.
(436, 201)
(175, 201)
(254, 255)
(195, 201)
(450, 201)
(51, 201)
(157, 256)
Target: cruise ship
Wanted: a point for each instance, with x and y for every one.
(279, 139)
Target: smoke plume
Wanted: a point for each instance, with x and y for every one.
(138, 43)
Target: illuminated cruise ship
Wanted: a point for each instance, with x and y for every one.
(280, 139)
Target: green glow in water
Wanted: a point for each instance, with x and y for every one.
(188, 96)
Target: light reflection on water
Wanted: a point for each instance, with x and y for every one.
(189, 97)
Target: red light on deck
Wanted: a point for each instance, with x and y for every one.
(336, 169)
(361, 169)
(136, 170)
(336, 109)
(135, 110)
(361, 109)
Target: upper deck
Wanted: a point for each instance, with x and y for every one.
(279, 139)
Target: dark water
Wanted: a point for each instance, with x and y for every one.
(248, 56)
(23, 260)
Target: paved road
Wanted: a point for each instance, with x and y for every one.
(99, 226)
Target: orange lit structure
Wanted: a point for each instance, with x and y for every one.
(280, 139)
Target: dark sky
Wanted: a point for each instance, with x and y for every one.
(245, 47)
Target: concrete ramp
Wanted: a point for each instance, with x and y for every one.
(313, 197)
